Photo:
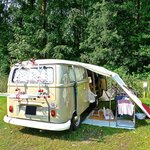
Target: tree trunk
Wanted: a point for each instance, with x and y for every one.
(44, 13)
(138, 12)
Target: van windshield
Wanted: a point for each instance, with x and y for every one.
(33, 75)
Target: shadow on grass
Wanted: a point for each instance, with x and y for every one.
(142, 123)
(85, 133)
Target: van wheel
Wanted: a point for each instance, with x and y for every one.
(75, 122)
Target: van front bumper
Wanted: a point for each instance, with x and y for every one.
(37, 124)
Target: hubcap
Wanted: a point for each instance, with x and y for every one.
(77, 120)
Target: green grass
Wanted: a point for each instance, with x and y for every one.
(85, 138)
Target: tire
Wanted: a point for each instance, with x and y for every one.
(75, 122)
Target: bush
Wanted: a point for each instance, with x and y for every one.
(3, 83)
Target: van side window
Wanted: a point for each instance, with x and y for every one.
(80, 73)
(71, 74)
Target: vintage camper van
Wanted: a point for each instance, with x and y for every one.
(52, 94)
(49, 94)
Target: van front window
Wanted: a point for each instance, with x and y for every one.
(33, 75)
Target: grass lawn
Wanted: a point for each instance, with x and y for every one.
(85, 138)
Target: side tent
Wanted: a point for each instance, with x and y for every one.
(119, 81)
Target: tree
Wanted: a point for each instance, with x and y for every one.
(102, 44)
(28, 27)
(4, 33)
(66, 22)
(46, 29)
(132, 23)
(111, 33)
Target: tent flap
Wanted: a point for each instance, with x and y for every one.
(146, 107)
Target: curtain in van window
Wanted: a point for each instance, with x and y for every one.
(33, 75)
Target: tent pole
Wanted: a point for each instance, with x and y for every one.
(109, 109)
(110, 104)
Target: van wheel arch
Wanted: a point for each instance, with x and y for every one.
(75, 122)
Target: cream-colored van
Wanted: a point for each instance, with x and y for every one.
(49, 94)
(52, 94)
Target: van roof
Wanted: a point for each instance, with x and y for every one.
(56, 61)
(47, 62)
(94, 68)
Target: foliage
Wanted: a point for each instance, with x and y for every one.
(102, 43)
(132, 23)
(3, 83)
(4, 28)
(108, 33)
